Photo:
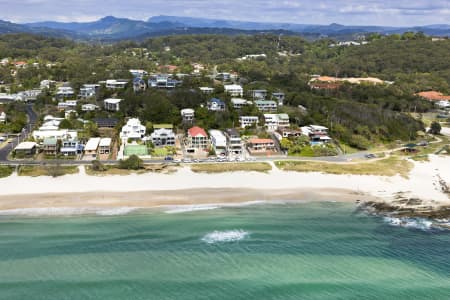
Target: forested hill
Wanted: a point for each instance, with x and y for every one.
(111, 28)
(358, 114)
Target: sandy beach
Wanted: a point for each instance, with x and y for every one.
(185, 187)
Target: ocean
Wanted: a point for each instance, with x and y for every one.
(261, 251)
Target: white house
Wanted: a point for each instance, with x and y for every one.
(116, 84)
(89, 107)
(2, 117)
(443, 104)
(207, 90)
(112, 104)
(88, 91)
(47, 84)
(275, 122)
(90, 150)
(104, 146)
(279, 96)
(163, 137)
(132, 130)
(138, 73)
(65, 92)
(234, 90)
(246, 121)
(187, 115)
(266, 105)
(69, 104)
(258, 94)
(218, 141)
(238, 103)
(62, 134)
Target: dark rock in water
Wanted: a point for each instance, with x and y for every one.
(411, 208)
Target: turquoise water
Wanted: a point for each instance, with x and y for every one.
(291, 251)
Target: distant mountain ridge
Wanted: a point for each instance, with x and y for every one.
(112, 28)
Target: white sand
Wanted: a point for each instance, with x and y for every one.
(423, 182)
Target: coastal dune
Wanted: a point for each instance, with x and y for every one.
(185, 187)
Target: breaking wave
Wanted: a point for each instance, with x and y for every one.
(176, 209)
(116, 211)
(416, 223)
(225, 236)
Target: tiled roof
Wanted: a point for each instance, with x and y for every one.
(260, 141)
(433, 96)
(196, 131)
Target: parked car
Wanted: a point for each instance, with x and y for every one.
(370, 156)
(168, 158)
(423, 144)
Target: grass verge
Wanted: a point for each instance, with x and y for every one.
(385, 167)
(6, 171)
(114, 170)
(50, 170)
(231, 167)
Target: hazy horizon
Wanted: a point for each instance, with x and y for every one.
(348, 12)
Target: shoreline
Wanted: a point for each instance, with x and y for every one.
(191, 197)
(185, 187)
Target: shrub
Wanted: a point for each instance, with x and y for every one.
(132, 163)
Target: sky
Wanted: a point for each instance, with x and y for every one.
(347, 12)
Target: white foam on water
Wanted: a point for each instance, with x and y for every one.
(225, 236)
(176, 209)
(190, 208)
(116, 211)
(48, 211)
(421, 224)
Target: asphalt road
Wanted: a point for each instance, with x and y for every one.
(32, 118)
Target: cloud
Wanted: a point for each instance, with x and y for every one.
(373, 12)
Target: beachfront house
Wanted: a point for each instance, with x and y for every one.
(112, 104)
(133, 130)
(266, 105)
(25, 149)
(275, 122)
(257, 145)
(188, 115)
(50, 146)
(90, 150)
(218, 142)
(215, 104)
(104, 147)
(234, 90)
(248, 121)
(234, 141)
(163, 135)
(196, 139)
(318, 134)
(71, 148)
